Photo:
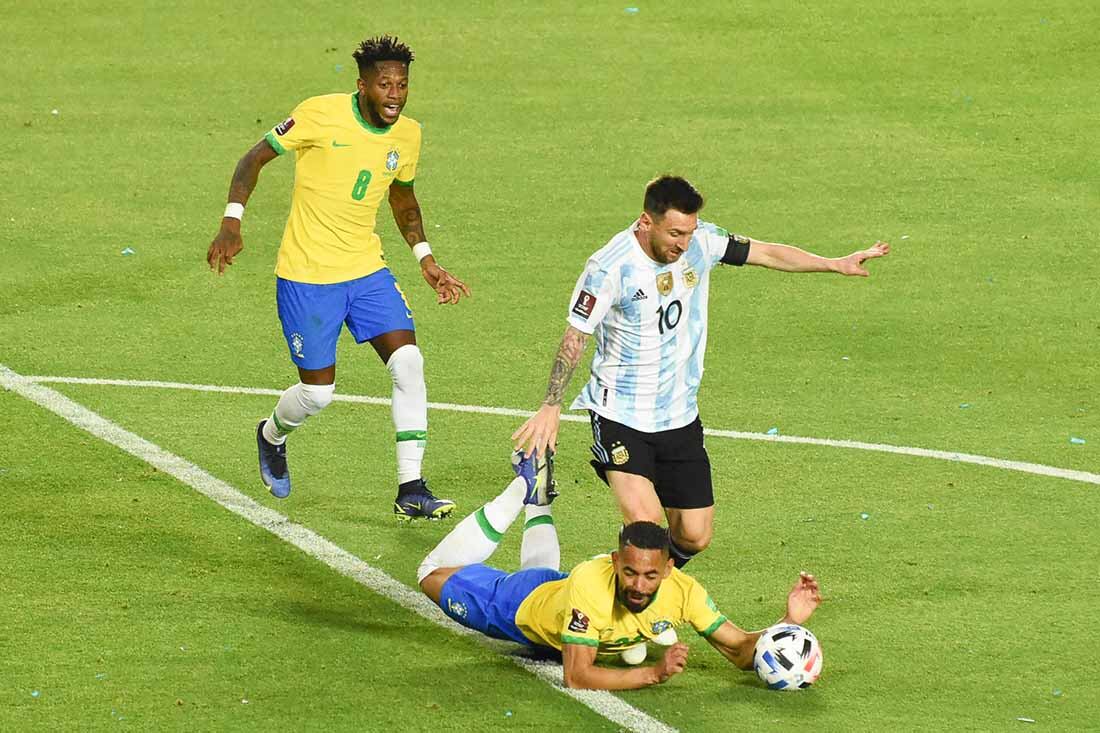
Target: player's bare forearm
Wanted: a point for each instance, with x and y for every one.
(579, 671)
(247, 172)
(406, 214)
(735, 644)
(568, 357)
(787, 258)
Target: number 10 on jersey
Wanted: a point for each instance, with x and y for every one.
(667, 318)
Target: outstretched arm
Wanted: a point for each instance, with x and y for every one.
(541, 429)
(406, 214)
(737, 645)
(227, 242)
(580, 671)
(792, 259)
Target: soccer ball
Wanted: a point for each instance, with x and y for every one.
(787, 657)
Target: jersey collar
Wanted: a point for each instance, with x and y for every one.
(359, 117)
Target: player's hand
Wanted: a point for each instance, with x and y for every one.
(803, 599)
(448, 288)
(673, 663)
(539, 432)
(853, 263)
(226, 245)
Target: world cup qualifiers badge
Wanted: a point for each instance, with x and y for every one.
(664, 283)
(690, 278)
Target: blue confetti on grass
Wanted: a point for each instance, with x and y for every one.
(631, 11)
(864, 515)
(964, 405)
(35, 693)
(772, 431)
(1077, 441)
(127, 251)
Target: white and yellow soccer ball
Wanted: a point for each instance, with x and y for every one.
(787, 657)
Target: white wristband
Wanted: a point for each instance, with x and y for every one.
(234, 211)
(420, 251)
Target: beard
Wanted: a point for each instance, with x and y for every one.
(634, 606)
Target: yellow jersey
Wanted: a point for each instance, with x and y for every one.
(343, 171)
(582, 609)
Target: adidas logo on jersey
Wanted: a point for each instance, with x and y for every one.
(639, 295)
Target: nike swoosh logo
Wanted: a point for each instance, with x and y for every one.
(340, 145)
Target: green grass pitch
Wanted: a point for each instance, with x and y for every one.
(964, 134)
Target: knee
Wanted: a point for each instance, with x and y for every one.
(316, 397)
(406, 365)
(692, 540)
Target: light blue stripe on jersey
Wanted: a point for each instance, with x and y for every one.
(697, 326)
(626, 381)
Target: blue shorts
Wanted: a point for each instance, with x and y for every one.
(486, 599)
(312, 314)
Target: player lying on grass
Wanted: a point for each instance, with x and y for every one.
(605, 606)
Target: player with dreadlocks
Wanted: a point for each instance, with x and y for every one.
(351, 151)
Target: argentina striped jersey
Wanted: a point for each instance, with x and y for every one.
(649, 322)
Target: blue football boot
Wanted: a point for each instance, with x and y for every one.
(415, 501)
(539, 476)
(273, 469)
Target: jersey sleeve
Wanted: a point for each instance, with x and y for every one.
(701, 612)
(596, 291)
(581, 624)
(723, 247)
(406, 174)
(302, 129)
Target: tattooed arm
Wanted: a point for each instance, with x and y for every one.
(406, 214)
(541, 429)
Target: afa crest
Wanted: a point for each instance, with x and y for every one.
(620, 455)
(391, 160)
(664, 283)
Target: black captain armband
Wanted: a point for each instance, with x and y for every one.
(737, 251)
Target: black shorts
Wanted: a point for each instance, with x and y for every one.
(674, 460)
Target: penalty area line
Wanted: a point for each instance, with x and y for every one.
(603, 703)
(942, 455)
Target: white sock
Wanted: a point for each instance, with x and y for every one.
(475, 538)
(410, 410)
(539, 548)
(295, 405)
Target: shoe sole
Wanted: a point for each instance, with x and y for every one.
(433, 517)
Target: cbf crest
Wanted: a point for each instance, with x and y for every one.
(660, 627)
(296, 345)
(664, 283)
(458, 609)
(391, 160)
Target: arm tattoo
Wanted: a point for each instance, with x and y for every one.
(245, 176)
(411, 225)
(569, 355)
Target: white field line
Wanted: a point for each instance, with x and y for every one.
(1021, 466)
(309, 542)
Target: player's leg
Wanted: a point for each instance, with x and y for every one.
(539, 548)
(685, 490)
(476, 537)
(624, 459)
(379, 313)
(311, 317)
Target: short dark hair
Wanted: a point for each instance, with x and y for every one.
(644, 536)
(671, 192)
(381, 48)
